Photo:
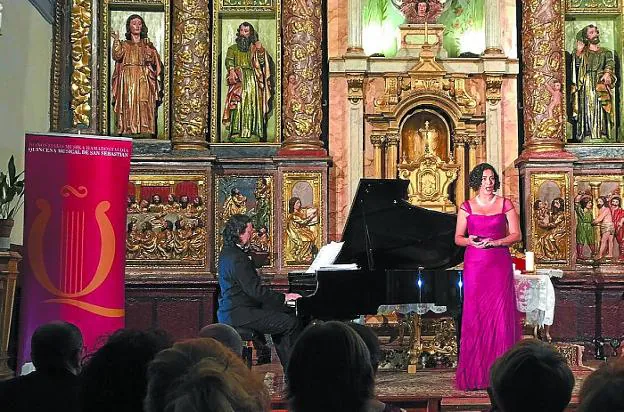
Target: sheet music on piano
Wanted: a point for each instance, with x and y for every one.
(325, 259)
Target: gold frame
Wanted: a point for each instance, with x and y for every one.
(169, 179)
(290, 179)
(563, 182)
(131, 6)
(218, 222)
(219, 11)
(570, 9)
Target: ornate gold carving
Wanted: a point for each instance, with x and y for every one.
(55, 76)
(591, 6)
(355, 91)
(550, 218)
(303, 222)
(378, 140)
(493, 88)
(430, 177)
(247, 5)
(433, 343)
(81, 62)
(191, 75)
(303, 66)
(168, 232)
(543, 60)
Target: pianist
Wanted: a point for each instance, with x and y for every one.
(244, 301)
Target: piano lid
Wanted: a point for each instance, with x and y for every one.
(385, 231)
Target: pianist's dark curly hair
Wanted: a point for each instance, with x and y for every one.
(476, 176)
(234, 227)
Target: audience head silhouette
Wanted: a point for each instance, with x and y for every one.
(329, 370)
(224, 334)
(55, 346)
(203, 375)
(603, 390)
(371, 341)
(114, 377)
(531, 376)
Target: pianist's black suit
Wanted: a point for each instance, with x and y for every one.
(245, 301)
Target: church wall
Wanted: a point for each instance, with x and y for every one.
(337, 27)
(509, 114)
(339, 151)
(25, 47)
(509, 30)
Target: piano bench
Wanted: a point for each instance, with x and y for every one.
(250, 339)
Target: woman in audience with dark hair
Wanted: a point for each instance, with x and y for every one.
(603, 390)
(372, 344)
(531, 376)
(329, 370)
(203, 375)
(114, 378)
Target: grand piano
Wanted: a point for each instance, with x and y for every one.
(404, 253)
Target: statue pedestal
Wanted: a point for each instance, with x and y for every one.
(413, 38)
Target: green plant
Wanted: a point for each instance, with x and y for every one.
(11, 191)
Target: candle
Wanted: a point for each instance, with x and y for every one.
(530, 261)
(426, 32)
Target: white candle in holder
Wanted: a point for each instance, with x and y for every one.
(530, 261)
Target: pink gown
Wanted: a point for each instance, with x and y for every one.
(490, 320)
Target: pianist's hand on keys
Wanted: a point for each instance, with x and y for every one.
(291, 298)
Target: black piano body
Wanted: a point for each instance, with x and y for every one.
(404, 253)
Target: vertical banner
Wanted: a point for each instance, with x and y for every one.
(74, 234)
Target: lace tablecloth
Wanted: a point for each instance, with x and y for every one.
(535, 296)
(418, 308)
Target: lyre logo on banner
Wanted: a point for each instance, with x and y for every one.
(71, 280)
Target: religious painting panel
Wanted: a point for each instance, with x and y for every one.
(550, 218)
(599, 218)
(593, 88)
(250, 195)
(167, 221)
(246, 75)
(134, 68)
(302, 225)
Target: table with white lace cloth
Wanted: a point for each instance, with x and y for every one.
(535, 296)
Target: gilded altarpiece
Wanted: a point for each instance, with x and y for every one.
(251, 195)
(168, 222)
(550, 218)
(303, 223)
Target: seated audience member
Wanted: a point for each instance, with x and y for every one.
(603, 390)
(329, 370)
(203, 375)
(114, 377)
(224, 334)
(372, 344)
(531, 376)
(55, 351)
(244, 301)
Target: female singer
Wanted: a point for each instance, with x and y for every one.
(490, 321)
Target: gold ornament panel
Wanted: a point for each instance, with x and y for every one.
(550, 218)
(252, 195)
(156, 14)
(167, 221)
(302, 225)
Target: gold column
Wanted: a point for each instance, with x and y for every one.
(378, 142)
(460, 159)
(392, 150)
(473, 142)
(81, 53)
(8, 281)
(191, 74)
(302, 29)
(544, 69)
